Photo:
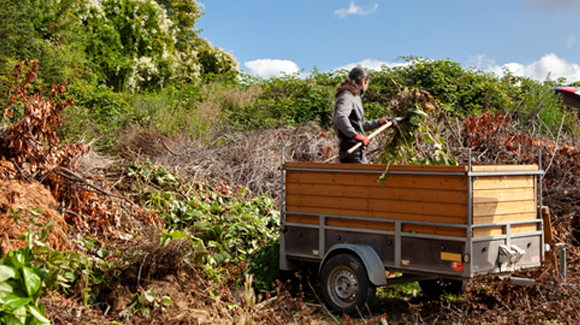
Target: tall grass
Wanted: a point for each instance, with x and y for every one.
(190, 111)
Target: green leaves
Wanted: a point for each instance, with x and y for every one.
(15, 301)
(32, 280)
(21, 285)
(38, 313)
(289, 100)
(7, 272)
(223, 228)
(405, 147)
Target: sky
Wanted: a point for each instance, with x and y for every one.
(534, 38)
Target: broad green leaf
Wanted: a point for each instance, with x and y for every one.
(5, 290)
(15, 301)
(7, 272)
(427, 137)
(42, 273)
(178, 235)
(148, 297)
(31, 280)
(38, 314)
(11, 319)
(17, 287)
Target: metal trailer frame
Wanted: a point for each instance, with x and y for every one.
(291, 261)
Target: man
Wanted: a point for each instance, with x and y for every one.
(349, 116)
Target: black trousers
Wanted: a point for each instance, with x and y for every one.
(357, 157)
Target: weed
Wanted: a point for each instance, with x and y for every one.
(143, 303)
(399, 291)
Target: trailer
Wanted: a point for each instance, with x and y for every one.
(439, 225)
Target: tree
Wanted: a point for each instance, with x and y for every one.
(44, 30)
(128, 45)
(144, 44)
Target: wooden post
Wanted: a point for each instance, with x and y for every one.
(550, 256)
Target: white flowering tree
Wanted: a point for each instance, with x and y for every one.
(145, 44)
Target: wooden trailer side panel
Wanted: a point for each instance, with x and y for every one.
(409, 197)
(501, 199)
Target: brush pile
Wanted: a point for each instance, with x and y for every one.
(415, 140)
(234, 158)
(39, 178)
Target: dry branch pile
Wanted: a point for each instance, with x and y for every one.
(38, 171)
(495, 139)
(250, 159)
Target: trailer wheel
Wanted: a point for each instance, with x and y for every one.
(345, 284)
(438, 287)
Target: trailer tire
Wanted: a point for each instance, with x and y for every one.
(345, 284)
(438, 287)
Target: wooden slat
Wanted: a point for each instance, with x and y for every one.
(503, 195)
(518, 229)
(495, 168)
(504, 218)
(422, 168)
(501, 182)
(434, 230)
(378, 215)
(500, 230)
(444, 182)
(399, 194)
(488, 231)
(499, 208)
(310, 220)
(377, 205)
(361, 224)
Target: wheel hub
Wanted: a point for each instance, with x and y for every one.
(345, 286)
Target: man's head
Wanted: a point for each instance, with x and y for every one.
(361, 77)
(359, 74)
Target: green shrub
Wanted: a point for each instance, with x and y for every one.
(289, 100)
(224, 229)
(21, 286)
(460, 90)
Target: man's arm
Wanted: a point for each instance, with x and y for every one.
(371, 125)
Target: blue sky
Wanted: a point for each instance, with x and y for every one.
(529, 37)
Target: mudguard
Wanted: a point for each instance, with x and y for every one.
(369, 257)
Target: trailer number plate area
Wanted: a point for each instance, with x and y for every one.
(445, 256)
(457, 266)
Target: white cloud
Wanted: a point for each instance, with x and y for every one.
(267, 68)
(370, 64)
(356, 10)
(552, 5)
(550, 65)
(570, 40)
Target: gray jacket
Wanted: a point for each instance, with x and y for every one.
(349, 120)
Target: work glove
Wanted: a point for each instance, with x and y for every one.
(389, 119)
(361, 138)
